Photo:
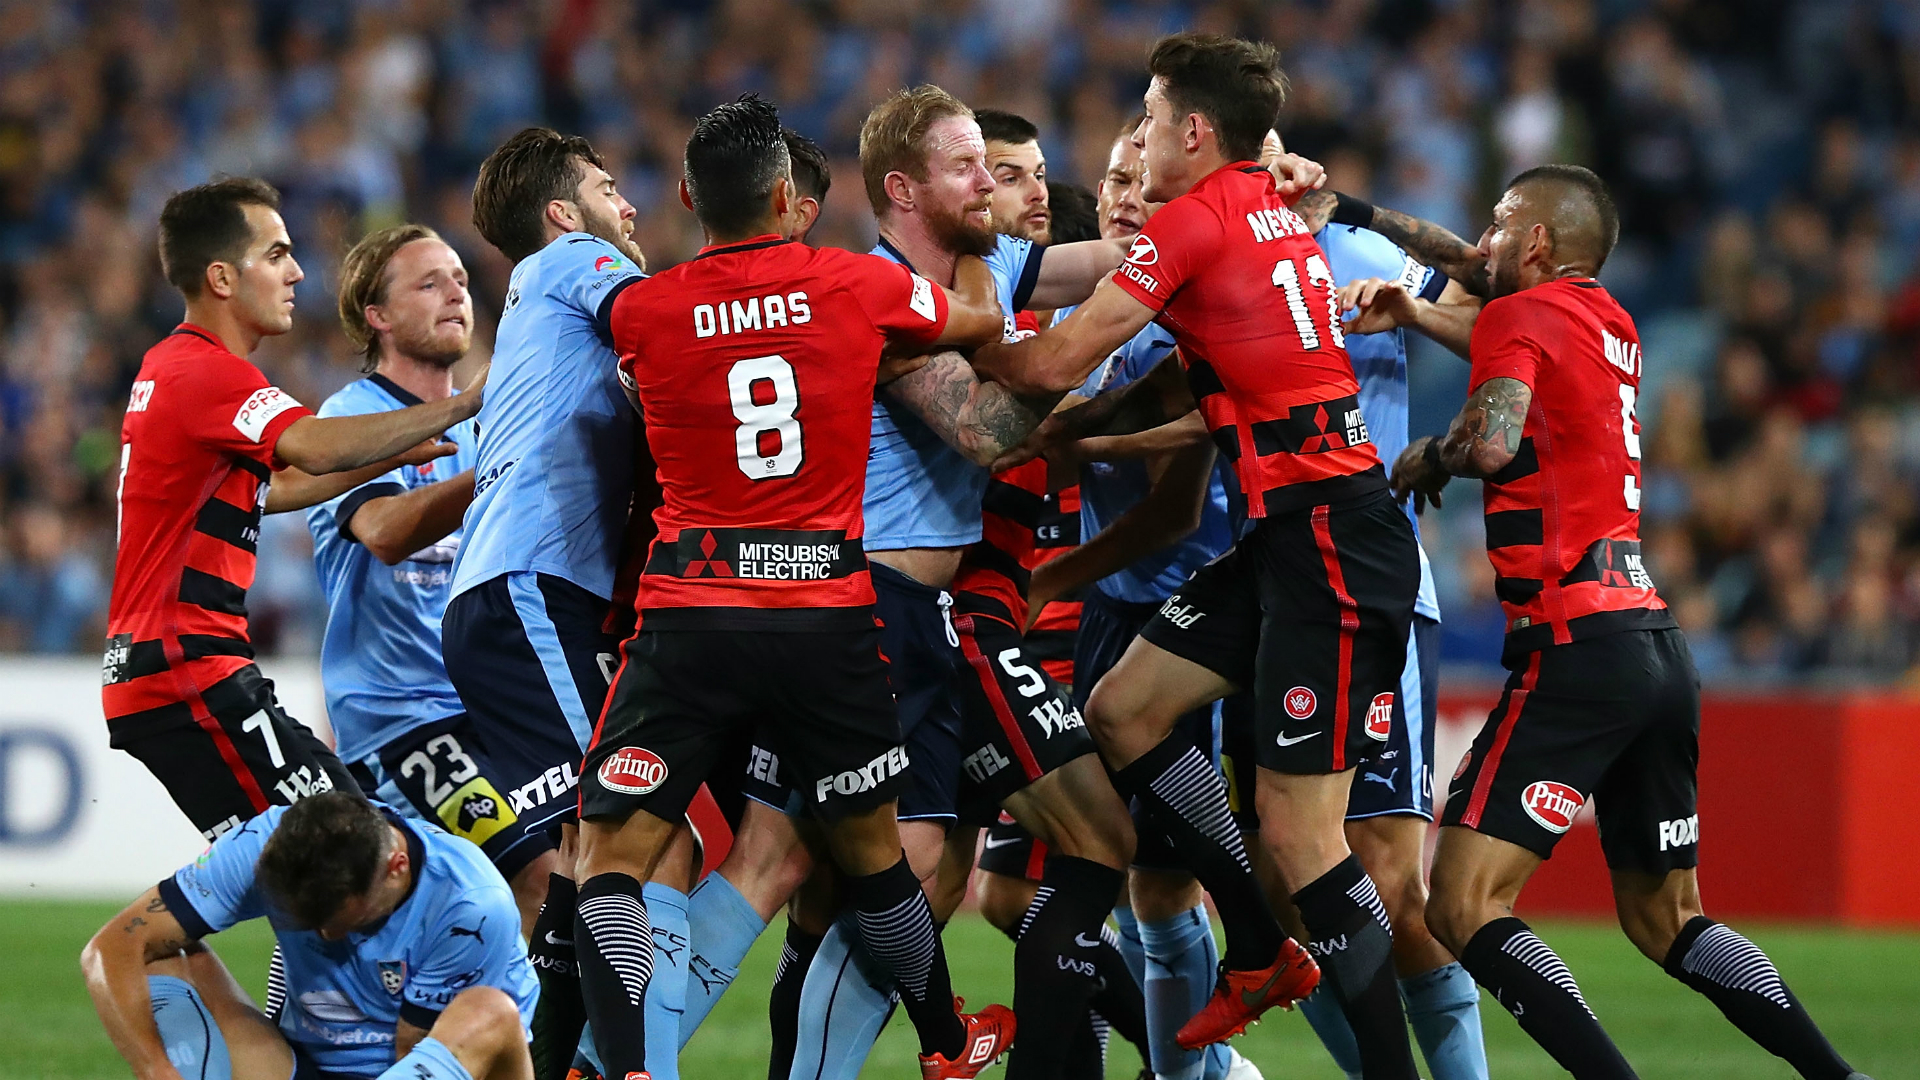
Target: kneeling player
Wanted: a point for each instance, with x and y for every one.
(1604, 701)
(385, 552)
(402, 960)
(754, 364)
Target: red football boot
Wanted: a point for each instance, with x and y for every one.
(1239, 997)
(989, 1034)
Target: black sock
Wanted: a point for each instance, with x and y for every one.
(1056, 968)
(896, 925)
(1736, 976)
(1119, 1001)
(1534, 984)
(1086, 1059)
(615, 943)
(559, 1015)
(783, 1003)
(1353, 942)
(1187, 797)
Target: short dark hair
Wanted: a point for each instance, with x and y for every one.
(997, 125)
(326, 850)
(734, 155)
(1600, 216)
(1076, 212)
(208, 224)
(1237, 85)
(811, 173)
(518, 180)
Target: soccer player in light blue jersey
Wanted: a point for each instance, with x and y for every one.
(524, 637)
(402, 958)
(385, 550)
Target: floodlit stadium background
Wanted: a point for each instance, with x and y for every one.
(1765, 154)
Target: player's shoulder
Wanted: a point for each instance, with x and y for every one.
(1354, 252)
(357, 398)
(570, 262)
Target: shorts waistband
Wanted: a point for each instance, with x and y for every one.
(1126, 609)
(886, 578)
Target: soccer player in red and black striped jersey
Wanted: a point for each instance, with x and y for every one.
(206, 447)
(1311, 610)
(1603, 700)
(754, 365)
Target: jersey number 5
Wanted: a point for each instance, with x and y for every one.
(764, 396)
(1286, 278)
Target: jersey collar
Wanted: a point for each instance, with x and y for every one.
(394, 390)
(897, 254)
(200, 332)
(766, 240)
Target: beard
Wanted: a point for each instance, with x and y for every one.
(958, 233)
(429, 348)
(1503, 275)
(610, 231)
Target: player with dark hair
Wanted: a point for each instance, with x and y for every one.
(1019, 172)
(1075, 210)
(524, 638)
(812, 178)
(402, 960)
(1603, 702)
(385, 551)
(208, 445)
(1312, 608)
(755, 601)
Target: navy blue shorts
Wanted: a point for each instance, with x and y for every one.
(532, 662)
(441, 772)
(924, 667)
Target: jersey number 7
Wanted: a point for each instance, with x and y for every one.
(764, 395)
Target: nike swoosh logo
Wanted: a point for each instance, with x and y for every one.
(1081, 940)
(563, 942)
(1284, 741)
(1001, 842)
(1253, 999)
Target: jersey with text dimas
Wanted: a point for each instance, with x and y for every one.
(196, 459)
(1248, 295)
(754, 363)
(1563, 517)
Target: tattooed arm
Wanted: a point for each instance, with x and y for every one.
(1159, 397)
(1436, 246)
(979, 418)
(114, 965)
(1483, 439)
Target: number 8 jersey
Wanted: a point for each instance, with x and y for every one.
(1563, 518)
(754, 364)
(1248, 296)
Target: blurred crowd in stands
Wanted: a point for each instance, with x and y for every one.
(1765, 153)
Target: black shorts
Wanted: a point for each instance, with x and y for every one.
(747, 771)
(1311, 612)
(1615, 719)
(1017, 724)
(251, 756)
(925, 669)
(682, 699)
(531, 662)
(1013, 851)
(441, 773)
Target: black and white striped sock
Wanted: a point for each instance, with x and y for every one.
(783, 1001)
(1187, 797)
(614, 941)
(1524, 974)
(896, 925)
(1353, 941)
(1738, 978)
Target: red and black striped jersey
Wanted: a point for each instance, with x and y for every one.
(1235, 277)
(754, 364)
(1022, 526)
(1563, 517)
(1050, 638)
(196, 458)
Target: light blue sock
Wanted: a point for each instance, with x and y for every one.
(844, 1004)
(667, 989)
(1180, 960)
(1131, 951)
(723, 926)
(1323, 1012)
(193, 1041)
(428, 1060)
(1443, 1005)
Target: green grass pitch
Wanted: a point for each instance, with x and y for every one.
(1863, 988)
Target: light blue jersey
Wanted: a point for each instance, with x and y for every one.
(555, 472)
(457, 928)
(1109, 489)
(1380, 360)
(380, 662)
(920, 491)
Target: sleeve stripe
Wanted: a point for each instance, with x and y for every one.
(1029, 277)
(352, 501)
(418, 1015)
(1436, 284)
(183, 912)
(603, 318)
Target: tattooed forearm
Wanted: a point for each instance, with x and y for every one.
(1159, 397)
(1486, 435)
(980, 419)
(1316, 208)
(1436, 246)
(997, 419)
